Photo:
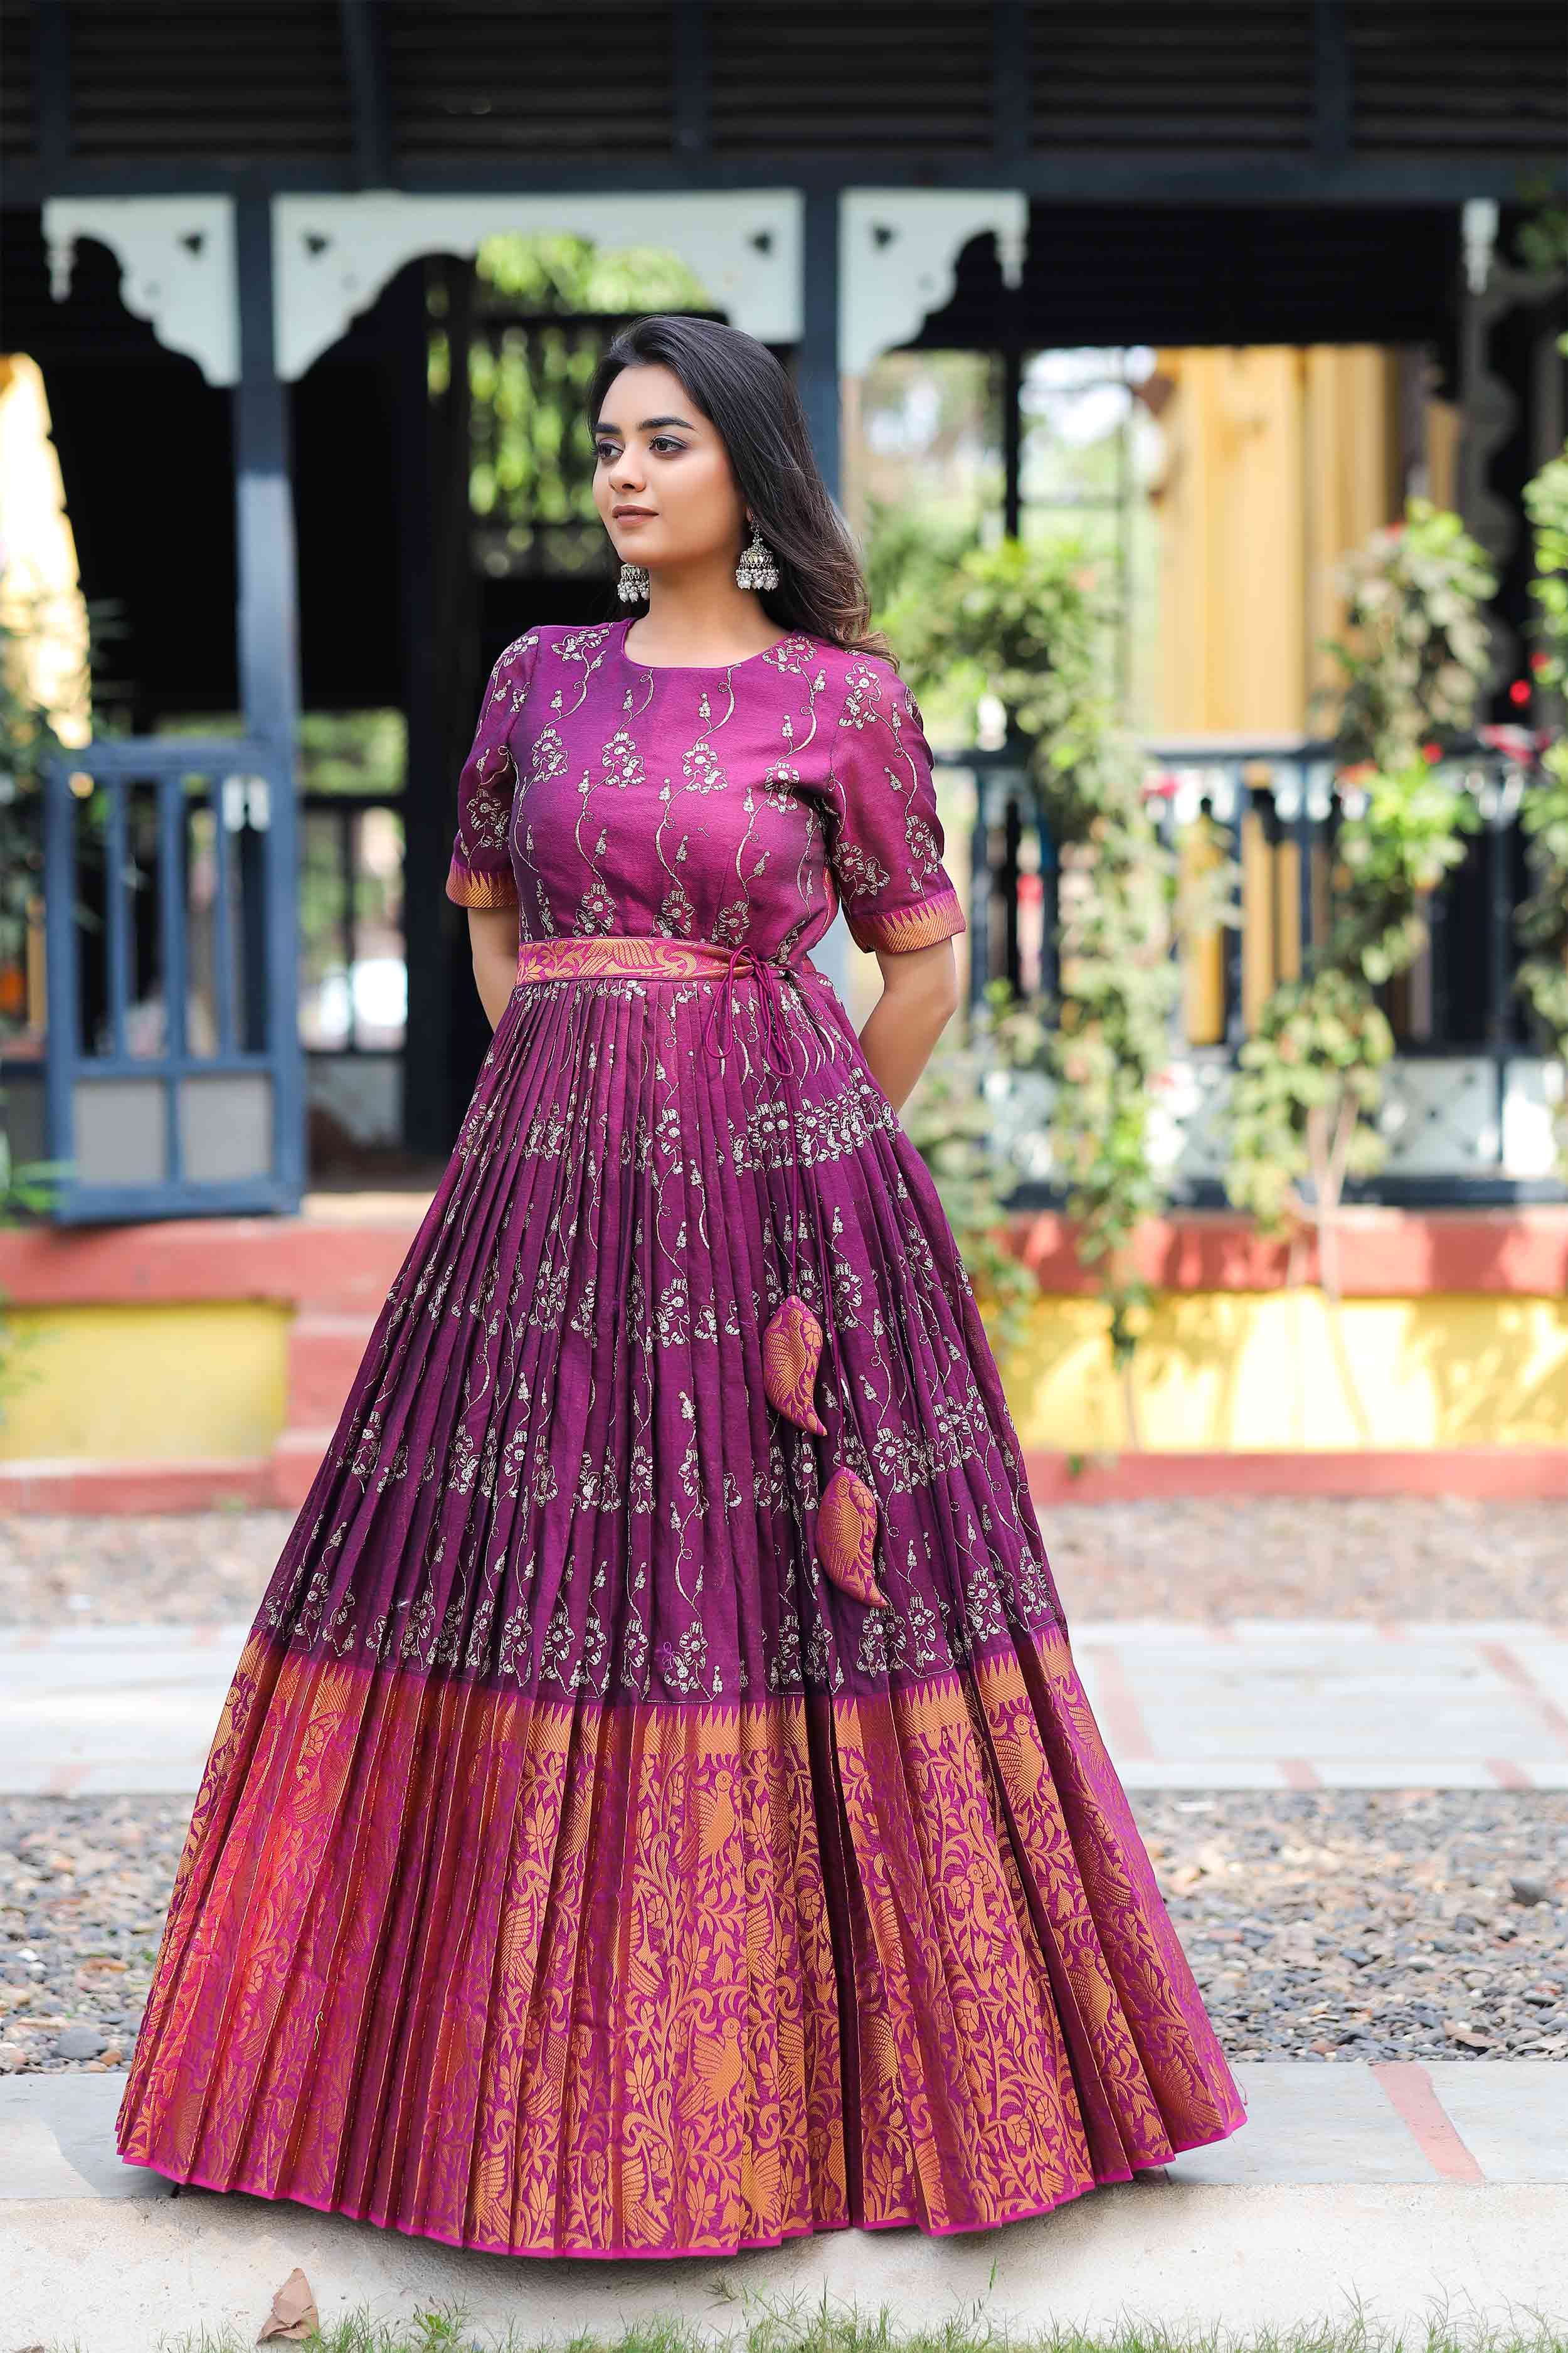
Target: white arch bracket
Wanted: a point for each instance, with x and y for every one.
(898, 257)
(334, 254)
(177, 254)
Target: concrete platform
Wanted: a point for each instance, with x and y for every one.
(1256, 1705)
(1402, 2185)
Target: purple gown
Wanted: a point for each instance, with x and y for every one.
(656, 1811)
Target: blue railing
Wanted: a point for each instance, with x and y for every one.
(173, 1079)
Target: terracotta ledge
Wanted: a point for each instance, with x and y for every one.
(1478, 1473)
(177, 1486)
(1385, 1254)
(344, 1264)
(335, 1266)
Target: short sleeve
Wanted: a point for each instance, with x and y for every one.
(885, 838)
(481, 872)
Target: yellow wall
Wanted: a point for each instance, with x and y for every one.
(1278, 463)
(1216, 1369)
(146, 1384)
(1223, 1369)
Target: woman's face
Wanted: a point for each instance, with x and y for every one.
(662, 481)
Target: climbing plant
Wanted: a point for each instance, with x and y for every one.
(1025, 625)
(1415, 655)
(1543, 918)
(1412, 665)
(27, 742)
(950, 1121)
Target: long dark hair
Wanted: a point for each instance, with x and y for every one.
(753, 407)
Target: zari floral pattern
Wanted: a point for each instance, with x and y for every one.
(731, 805)
(540, 1977)
(641, 1823)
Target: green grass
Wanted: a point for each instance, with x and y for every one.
(811, 2327)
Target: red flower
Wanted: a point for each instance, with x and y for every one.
(1539, 661)
(1430, 751)
(1520, 691)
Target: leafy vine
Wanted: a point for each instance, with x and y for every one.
(1025, 625)
(1304, 1103)
(1543, 918)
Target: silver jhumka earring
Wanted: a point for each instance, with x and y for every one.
(758, 567)
(633, 583)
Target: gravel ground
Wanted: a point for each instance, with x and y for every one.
(1392, 1557)
(1320, 1924)
(1389, 1557)
(1371, 1923)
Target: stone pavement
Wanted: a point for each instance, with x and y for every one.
(1262, 1704)
(1403, 2185)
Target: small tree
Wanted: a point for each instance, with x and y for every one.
(27, 742)
(1543, 918)
(1305, 1100)
(1025, 625)
(951, 1123)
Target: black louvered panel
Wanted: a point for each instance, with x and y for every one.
(251, 79)
(17, 132)
(1455, 78)
(1215, 76)
(1223, 274)
(486, 79)
(862, 78)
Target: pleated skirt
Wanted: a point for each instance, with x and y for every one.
(576, 1869)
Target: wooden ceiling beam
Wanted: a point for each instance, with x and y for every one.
(1332, 83)
(1012, 65)
(54, 136)
(365, 68)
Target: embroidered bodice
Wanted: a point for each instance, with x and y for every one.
(737, 804)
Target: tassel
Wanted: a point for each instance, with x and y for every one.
(846, 1537)
(792, 1351)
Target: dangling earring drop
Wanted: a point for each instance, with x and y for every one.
(758, 567)
(633, 583)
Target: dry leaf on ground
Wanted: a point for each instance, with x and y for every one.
(293, 2313)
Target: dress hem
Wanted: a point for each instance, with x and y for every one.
(669, 2254)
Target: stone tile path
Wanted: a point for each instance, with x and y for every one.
(1498, 2121)
(1256, 1704)
(1402, 2188)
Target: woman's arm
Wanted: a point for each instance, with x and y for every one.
(920, 997)
(492, 939)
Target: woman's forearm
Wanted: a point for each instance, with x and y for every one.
(492, 940)
(902, 1028)
(495, 976)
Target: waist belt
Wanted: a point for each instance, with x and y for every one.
(794, 1338)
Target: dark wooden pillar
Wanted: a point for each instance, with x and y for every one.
(443, 671)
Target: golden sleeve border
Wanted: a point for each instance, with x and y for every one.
(468, 887)
(940, 917)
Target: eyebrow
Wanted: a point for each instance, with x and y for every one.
(604, 426)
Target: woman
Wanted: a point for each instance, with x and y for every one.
(656, 1811)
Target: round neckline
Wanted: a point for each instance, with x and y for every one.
(694, 669)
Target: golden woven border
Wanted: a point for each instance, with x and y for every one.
(921, 927)
(470, 889)
(643, 958)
